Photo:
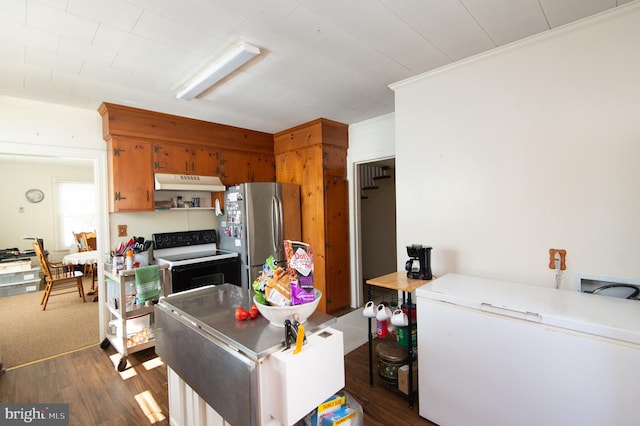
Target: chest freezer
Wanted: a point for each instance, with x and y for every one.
(504, 353)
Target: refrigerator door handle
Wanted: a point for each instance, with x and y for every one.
(276, 218)
(527, 315)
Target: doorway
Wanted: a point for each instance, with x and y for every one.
(376, 198)
(26, 218)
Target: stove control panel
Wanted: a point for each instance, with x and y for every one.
(185, 238)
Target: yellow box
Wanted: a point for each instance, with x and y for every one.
(403, 378)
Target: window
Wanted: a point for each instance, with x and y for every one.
(77, 208)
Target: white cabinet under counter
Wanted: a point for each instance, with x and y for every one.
(225, 371)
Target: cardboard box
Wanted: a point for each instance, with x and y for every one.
(403, 378)
(344, 416)
(332, 404)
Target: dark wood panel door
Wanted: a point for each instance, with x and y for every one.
(338, 279)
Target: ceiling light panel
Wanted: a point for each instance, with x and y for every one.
(229, 63)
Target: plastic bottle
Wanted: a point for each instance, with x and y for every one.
(381, 329)
(129, 260)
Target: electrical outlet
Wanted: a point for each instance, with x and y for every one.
(122, 230)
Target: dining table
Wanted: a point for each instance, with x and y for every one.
(87, 258)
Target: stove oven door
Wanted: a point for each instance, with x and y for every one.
(214, 272)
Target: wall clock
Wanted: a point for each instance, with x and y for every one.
(34, 195)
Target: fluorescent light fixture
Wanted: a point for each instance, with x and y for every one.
(219, 70)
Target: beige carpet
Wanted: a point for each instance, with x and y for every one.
(28, 334)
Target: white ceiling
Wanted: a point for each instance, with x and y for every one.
(320, 58)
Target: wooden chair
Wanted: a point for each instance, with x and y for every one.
(77, 237)
(57, 276)
(87, 241)
(91, 243)
(90, 240)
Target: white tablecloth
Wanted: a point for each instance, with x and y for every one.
(81, 258)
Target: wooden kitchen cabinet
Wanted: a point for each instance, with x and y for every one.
(336, 196)
(171, 158)
(185, 159)
(204, 162)
(313, 155)
(239, 167)
(262, 168)
(234, 167)
(131, 175)
(181, 145)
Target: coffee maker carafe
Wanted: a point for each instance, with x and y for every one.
(419, 264)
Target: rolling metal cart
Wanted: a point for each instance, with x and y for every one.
(129, 328)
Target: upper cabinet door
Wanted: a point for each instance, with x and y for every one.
(204, 162)
(131, 178)
(234, 167)
(171, 158)
(263, 168)
(185, 159)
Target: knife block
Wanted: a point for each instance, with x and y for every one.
(295, 384)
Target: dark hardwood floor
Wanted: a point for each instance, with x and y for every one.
(98, 395)
(381, 404)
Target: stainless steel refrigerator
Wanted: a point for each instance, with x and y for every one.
(257, 218)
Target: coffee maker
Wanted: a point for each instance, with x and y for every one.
(419, 264)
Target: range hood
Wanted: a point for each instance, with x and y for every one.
(171, 182)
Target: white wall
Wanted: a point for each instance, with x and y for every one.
(145, 224)
(48, 130)
(21, 218)
(531, 147)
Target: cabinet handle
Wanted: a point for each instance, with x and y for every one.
(147, 195)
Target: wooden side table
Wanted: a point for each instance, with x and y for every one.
(400, 282)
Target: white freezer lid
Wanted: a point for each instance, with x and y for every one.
(598, 315)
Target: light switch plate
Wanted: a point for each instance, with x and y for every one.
(122, 230)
